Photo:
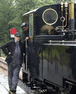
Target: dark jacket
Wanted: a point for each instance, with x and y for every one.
(25, 34)
(10, 47)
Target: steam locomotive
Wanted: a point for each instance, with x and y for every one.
(54, 28)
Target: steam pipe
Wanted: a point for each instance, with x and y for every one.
(65, 18)
(62, 14)
(69, 20)
(72, 16)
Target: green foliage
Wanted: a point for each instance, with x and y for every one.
(2, 54)
(59, 1)
(5, 17)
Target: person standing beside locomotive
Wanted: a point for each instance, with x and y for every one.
(14, 51)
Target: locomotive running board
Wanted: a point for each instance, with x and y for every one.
(61, 41)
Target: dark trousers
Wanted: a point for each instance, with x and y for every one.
(13, 76)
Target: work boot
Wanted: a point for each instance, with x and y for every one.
(12, 92)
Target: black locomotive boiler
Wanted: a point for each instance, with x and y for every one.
(54, 28)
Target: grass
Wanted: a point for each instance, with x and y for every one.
(2, 54)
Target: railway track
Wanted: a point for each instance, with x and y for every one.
(3, 66)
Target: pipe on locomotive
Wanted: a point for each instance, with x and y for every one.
(71, 16)
(63, 18)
